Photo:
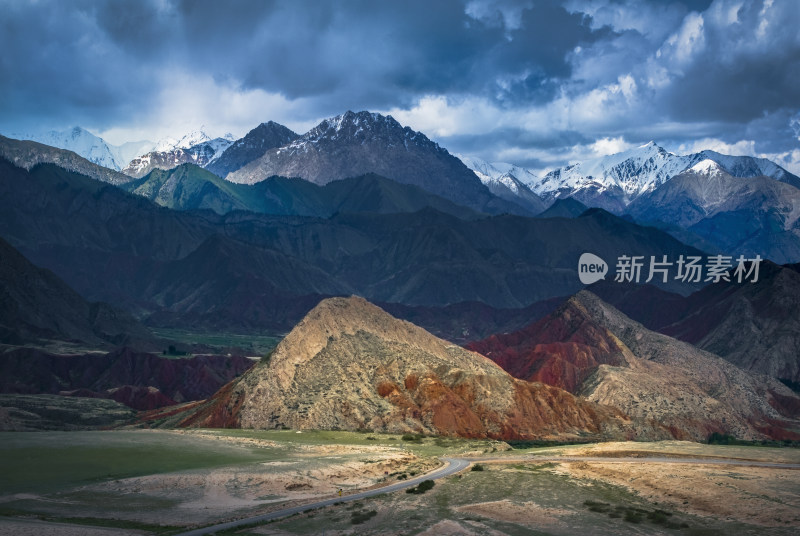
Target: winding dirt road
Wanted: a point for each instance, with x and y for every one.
(454, 465)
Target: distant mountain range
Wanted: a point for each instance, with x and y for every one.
(683, 195)
(740, 216)
(196, 148)
(91, 147)
(354, 144)
(613, 182)
(242, 269)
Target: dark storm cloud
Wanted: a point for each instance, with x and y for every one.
(53, 67)
(545, 75)
(356, 54)
(744, 69)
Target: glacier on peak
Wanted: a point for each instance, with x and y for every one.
(614, 181)
(89, 146)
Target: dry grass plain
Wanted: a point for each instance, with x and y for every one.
(202, 477)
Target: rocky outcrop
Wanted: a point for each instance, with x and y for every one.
(595, 351)
(350, 365)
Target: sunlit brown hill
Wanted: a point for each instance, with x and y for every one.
(350, 365)
(593, 350)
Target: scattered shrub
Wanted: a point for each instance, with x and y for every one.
(423, 486)
(477, 467)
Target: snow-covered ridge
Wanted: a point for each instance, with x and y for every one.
(614, 181)
(91, 147)
(197, 147)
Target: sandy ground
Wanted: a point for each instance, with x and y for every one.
(529, 513)
(449, 527)
(754, 495)
(318, 471)
(685, 449)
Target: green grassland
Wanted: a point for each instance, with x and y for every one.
(419, 445)
(39, 462)
(259, 345)
(57, 473)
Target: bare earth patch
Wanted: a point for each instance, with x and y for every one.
(449, 527)
(528, 513)
(677, 449)
(754, 495)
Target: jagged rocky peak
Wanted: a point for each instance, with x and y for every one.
(362, 125)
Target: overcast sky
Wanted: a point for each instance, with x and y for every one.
(537, 83)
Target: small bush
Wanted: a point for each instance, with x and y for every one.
(412, 437)
(423, 486)
(595, 506)
(477, 467)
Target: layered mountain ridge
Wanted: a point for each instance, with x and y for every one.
(589, 348)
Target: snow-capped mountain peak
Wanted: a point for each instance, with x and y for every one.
(165, 144)
(362, 127)
(80, 141)
(613, 182)
(707, 167)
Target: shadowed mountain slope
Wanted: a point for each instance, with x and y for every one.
(252, 146)
(189, 187)
(35, 304)
(27, 154)
(138, 380)
(756, 326)
(113, 246)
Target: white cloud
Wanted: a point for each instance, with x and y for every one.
(190, 101)
(607, 146)
(681, 47)
(740, 148)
